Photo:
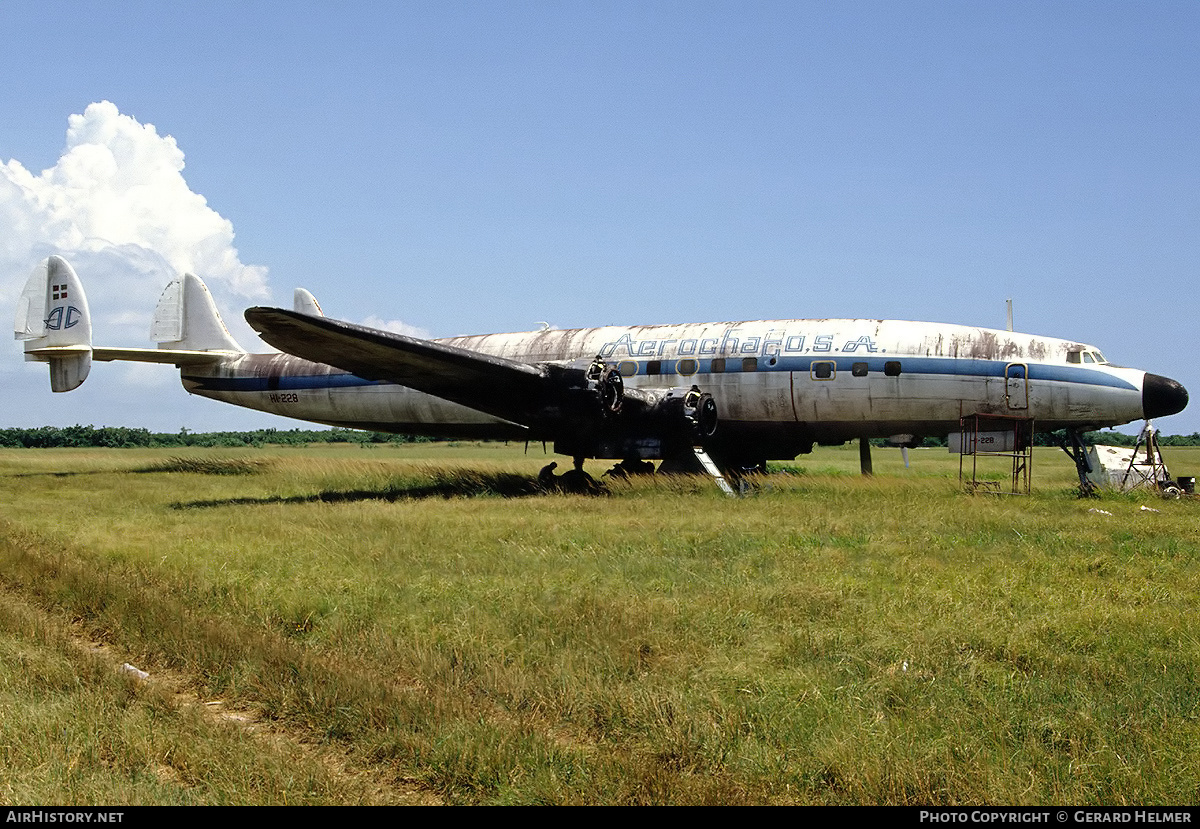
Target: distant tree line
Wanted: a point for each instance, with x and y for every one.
(119, 437)
(1090, 438)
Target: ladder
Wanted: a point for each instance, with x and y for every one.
(711, 469)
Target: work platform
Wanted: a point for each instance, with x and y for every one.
(994, 436)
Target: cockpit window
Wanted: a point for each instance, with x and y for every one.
(1079, 355)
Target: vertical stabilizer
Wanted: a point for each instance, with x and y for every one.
(186, 318)
(54, 322)
(303, 302)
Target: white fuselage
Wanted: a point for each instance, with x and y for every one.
(778, 385)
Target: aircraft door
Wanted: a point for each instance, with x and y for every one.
(1016, 386)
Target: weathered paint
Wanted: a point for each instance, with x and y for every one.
(771, 407)
(778, 386)
(285, 385)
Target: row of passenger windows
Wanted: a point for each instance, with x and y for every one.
(827, 369)
(820, 370)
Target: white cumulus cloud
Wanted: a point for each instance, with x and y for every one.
(116, 205)
(396, 327)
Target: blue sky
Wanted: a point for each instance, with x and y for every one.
(469, 167)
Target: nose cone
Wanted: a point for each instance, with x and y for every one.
(1162, 396)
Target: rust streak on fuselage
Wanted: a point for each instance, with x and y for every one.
(769, 338)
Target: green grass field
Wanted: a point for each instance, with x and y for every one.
(409, 624)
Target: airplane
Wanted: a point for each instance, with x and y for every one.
(733, 394)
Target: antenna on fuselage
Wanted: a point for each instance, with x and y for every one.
(1008, 302)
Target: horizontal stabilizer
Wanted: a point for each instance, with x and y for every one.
(169, 356)
(135, 355)
(54, 321)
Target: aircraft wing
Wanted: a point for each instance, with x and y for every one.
(505, 388)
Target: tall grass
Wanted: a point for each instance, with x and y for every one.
(829, 639)
(77, 730)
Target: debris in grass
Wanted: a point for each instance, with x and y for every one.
(132, 671)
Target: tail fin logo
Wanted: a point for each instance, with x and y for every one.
(55, 321)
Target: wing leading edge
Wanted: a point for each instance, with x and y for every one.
(504, 388)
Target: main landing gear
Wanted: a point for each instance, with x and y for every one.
(1073, 446)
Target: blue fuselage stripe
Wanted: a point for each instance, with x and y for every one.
(923, 366)
(286, 382)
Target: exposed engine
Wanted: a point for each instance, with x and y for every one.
(615, 422)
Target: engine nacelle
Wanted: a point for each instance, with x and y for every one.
(650, 424)
(607, 420)
(610, 390)
(686, 414)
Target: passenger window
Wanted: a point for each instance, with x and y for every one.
(822, 370)
(654, 367)
(859, 369)
(892, 368)
(749, 364)
(686, 367)
(718, 365)
(628, 368)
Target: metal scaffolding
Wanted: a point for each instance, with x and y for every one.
(996, 436)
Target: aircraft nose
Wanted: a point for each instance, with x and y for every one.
(1162, 396)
